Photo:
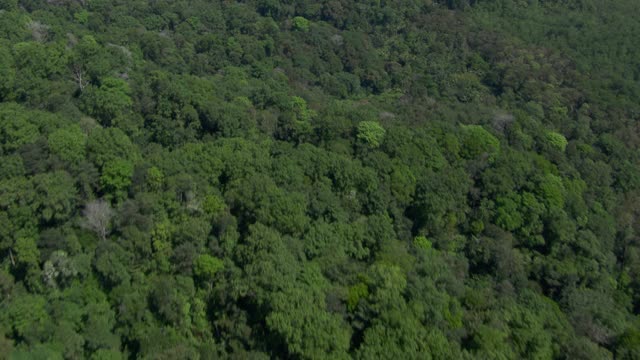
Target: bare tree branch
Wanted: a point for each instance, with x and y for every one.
(98, 216)
(78, 73)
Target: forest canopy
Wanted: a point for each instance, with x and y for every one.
(258, 179)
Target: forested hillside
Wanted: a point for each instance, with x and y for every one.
(331, 179)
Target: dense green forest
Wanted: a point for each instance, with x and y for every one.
(332, 179)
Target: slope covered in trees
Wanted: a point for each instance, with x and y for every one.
(319, 179)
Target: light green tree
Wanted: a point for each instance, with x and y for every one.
(476, 142)
(206, 266)
(370, 133)
(301, 24)
(556, 140)
(116, 177)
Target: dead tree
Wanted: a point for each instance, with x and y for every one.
(97, 217)
(78, 76)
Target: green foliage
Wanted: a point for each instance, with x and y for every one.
(36, 60)
(108, 101)
(552, 191)
(155, 178)
(490, 343)
(307, 329)
(405, 339)
(370, 133)
(479, 143)
(7, 70)
(56, 196)
(403, 184)
(319, 180)
(15, 128)
(116, 177)
(213, 205)
(356, 292)
(628, 346)
(556, 140)
(109, 144)
(300, 23)
(466, 87)
(507, 214)
(28, 316)
(295, 122)
(26, 251)
(8, 5)
(422, 242)
(68, 143)
(81, 16)
(206, 266)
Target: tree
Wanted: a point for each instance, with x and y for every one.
(370, 133)
(111, 262)
(68, 143)
(213, 205)
(556, 140)
(59, 270)
(406, 339)
(628, 346)
(295, 123)
(319, 179)
(8, 5)
(98, 216)
(15, 128)
(26, 252)
(108, 101)
(301, 24)
(56, 196)
(88, 60)
(154, 178)
(27, 315)
(206, 266)
(476, 142)
(116, 177)
(7, 70)
(299, 317)
(108, 144)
